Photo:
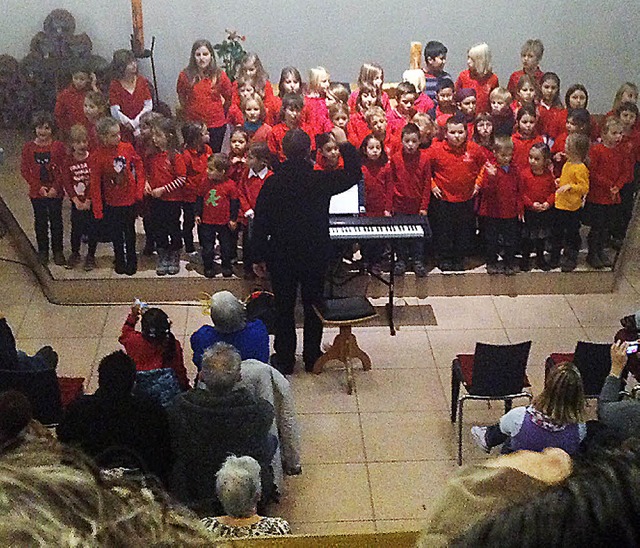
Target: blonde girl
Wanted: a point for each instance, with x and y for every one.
(479, 75)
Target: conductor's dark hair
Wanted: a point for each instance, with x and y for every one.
(296, 144)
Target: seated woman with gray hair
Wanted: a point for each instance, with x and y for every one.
(239, 488)
(230, 325)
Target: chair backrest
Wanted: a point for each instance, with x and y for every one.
(499, 370)
(41, 388)
(593, 360)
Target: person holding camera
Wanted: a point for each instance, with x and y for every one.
(623, 415)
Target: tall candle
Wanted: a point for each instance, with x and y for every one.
(138, 34)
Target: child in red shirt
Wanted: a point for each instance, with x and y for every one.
(526, 93)
(216, 214)
(69, 109)
(525, 136)
(117, 183)
(501, 207)
(292, 105)
(483, 132)
(531, 54)
(258, 161)
(466, 101)
(166, 176)
(195, 155)
(77, 184)
(315, 104)
(538, 195)
(577, 121)
(551, 114)
(95, 107)
(503, 118)
(367, 98)
(339, 117)
(251, 68)
(410, 185)
(155, 347)
(406, 96)
(377, 123)
(446, 105)
(41, 167)
(607, 177)
(479, 75)
(427, 127)
(243, 87)
(254, 118)
(455, 164)
(371, 75)
(239, 144)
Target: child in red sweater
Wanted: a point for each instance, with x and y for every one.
(377, 123)
(483, 132)
(550, 110)
(41, 167)
(410, 182)
(315, 105)
(501, 207)
(95, 107)
(292, 105)
(371, 75)
(258, 162)
(254, 117)
(503, 118)
(531, 54)
(466, 101)
(368, 97)
(69, 109)
(216, 214)
(239, 144)
(525, 137)
(607, 176)
(538, 194)
(155, 347)
(339, 117)
(479, 75)
(195, 155)
(406, 96)
(117, 183)
(77, 184)
(244, 87)
(166, 176)
(526, 93)
(446, 105)
(577, 121)
(455, 164)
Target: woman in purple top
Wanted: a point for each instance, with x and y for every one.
(555, 418)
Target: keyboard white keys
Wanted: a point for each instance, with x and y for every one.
(375, 232)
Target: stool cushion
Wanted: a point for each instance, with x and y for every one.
(346, 309)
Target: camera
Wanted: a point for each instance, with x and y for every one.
(632, 347)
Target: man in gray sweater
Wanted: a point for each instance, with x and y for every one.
(623, 415)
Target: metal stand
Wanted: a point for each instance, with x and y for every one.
(148, 54)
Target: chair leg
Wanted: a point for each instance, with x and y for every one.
(508, 404)
(346, 357)
(455, 393)
(357, 352)
(460, 417)
(334, 352)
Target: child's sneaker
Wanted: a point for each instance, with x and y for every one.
(479, 435)
(73, 261)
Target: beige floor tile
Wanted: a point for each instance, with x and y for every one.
(601, 334)
(535, 311)
(53, 321)
(600, 310)
(331, 438)
(324, 393)
(464, 312)
(399, 390)
(408, 349)
(15, 314)
(333, 527)
(327, 492)
(76, 356)
(547, 340)
(390, 525)
(447, 344)
(18, 285)
(407, 436)
(407, 490)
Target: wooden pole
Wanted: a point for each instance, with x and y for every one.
(137, 42)
(415, 55)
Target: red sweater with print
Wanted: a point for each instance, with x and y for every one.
(521, 148)
(500, 194)
(606, 172)
(117, 177)
(537, 188)
(76, 178)
(195, 162)
(512, 86)
(202, 101)
(213, 205)
(454, 171)
(483, 85)
(168, 171)
(147, 355)
(41, 166)
(69, 109)
(410, 179)
(378, 190)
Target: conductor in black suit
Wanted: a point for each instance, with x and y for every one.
(291, 234)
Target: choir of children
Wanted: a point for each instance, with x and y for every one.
(467, 154)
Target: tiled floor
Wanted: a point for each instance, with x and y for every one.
(375, 460)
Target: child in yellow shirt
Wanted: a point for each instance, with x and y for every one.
(573, 186)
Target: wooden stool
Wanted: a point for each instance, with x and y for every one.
(344, 313)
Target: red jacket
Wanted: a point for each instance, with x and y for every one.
(606, 171)
(483, 87)
(214, 201)
(203, 102)
(424, 103)
(170, 173)
(41, 166)
(410, 180)
(117, 177)
(537, 188)
(454, 171)
(69, 108)
(147, 355)
(76, 178)
(551, 121)
(500, 194)
(316, 118)
(195, 163)
(357, 129)
(521, 148)
(512, 86)
(378, 189)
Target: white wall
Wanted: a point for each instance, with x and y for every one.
(588, 41)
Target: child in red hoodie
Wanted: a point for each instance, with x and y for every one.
(411, 191)
(117, 183)
(69, 109)
(41, 168)
(525, 136)
(216, 214)
(500, 207)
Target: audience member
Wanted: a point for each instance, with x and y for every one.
(13, 359)
(113, 420)
(631, 332)
(212, 421)
(239, 489)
